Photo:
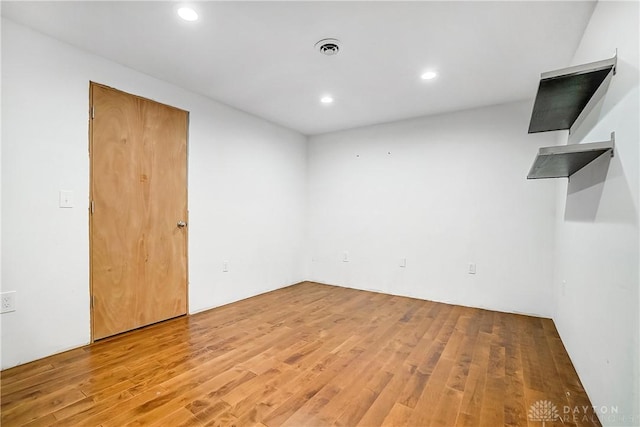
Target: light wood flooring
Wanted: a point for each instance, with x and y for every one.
(306, 355)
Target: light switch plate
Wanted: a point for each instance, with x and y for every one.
(66, 199)
(472, 268)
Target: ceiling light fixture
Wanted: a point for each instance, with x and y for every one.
(429, 75)
(187, 14)
(327, 99)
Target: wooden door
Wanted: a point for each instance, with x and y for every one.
(138, 151)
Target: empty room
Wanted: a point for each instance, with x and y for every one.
(316, 213)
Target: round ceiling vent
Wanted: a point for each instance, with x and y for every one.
(328, 47)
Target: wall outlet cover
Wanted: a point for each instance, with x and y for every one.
(8, 302)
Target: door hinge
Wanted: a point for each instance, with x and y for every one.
(93, 112)
(92, 207)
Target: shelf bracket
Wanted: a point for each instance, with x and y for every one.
(596, 97)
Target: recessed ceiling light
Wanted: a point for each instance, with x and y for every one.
(327, 99)
(187, 14)
(429, 75)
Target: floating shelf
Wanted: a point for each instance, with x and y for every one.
(565, 160)
(565, 97)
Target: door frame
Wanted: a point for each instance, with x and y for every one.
(91, 111)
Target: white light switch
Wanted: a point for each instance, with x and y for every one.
(472, 268)
(403, 262)
(66, 199)
(225, 266)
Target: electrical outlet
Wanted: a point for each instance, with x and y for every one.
(345, 256)
(8, 302)
(225, 266)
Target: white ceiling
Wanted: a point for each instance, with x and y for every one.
(259, 56)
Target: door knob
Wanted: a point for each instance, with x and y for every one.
(182, 224)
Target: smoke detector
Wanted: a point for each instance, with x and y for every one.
(328, 47)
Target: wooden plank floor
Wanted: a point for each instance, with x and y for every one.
(306, 355)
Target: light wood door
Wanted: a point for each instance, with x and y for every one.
(138, 151)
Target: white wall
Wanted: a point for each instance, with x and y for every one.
(0, 186)
(247, 183)
(440, 191)
(596, 276)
